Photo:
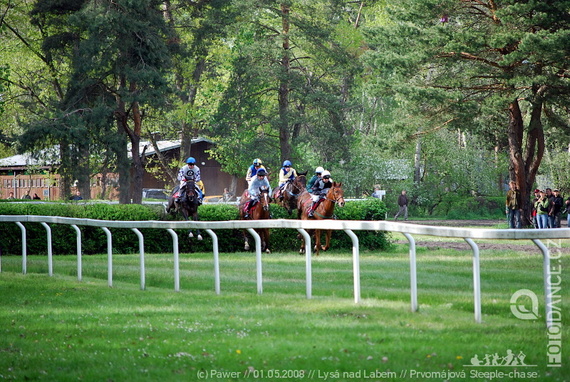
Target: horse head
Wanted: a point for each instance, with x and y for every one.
(191, 193)
(300, 183)
(264, 197)
(336, 194)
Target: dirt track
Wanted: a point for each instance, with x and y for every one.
(524, 246)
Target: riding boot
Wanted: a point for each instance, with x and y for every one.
(246, 209)
(312, 210)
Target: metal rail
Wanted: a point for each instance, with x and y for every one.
(348, 226)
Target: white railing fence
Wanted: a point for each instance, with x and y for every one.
(348, 226)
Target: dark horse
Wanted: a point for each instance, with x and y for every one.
(188, 206)
(325, 210)
(259, 211)
(291, 191)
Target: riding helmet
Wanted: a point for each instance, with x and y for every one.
(261, 172)
(287, 163)
(319, 170)
(190, 160)
(257, 161)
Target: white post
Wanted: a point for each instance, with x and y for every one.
(24, 248)
(49, 245)
(355, 264)
(141, 251)
(547, 275)
(476, 279)
(176, 259)
(216, 260)
(79, 262)
(308, 267)
(109, 256)
(257, 259)
(413, 272)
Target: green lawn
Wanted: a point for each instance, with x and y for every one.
(59, 329)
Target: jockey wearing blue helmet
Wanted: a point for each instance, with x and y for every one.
(253, 169)
(260, 181)
(286, 174)
(191, 172)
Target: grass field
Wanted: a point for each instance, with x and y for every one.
(59, 329)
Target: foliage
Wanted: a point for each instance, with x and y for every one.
(125, 241)
(324, 83)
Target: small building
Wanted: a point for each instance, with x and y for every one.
(24, 173)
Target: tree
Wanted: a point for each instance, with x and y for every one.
(286, 90)
(458, 58)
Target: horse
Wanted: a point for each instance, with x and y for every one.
(187, 207)
(325, 210)
(291, 191)
(259, 211)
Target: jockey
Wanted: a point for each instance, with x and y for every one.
(318, 171)
(286, 174)
(253, 169)
(319, 191)
(190, 172)
(254, 190)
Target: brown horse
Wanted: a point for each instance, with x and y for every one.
(325, 210)
(188, 206)
(259, 211)
(291, 191)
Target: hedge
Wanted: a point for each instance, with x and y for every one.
(94, 240)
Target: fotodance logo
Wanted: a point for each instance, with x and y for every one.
(520, 304)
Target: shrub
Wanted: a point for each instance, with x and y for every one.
(94, 239)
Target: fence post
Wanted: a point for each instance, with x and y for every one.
(24, 248)
(308, 268)
(79, 262)
(109, 256)
(49, 245)
(216, 260)
(547, 280)
(257, 259)
(176, 259)
(355, 264)
(476, 279)
(413, 272)
(141, 251)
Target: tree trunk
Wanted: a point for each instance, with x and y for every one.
(283, 96)
(137, 156)
(524, 166)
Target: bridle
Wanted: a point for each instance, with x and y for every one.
(337, 200)
(264, 196)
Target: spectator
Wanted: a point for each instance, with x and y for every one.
(227, 195)
(36, 197)
(542, 206)
(11, 195)
(568, 211)
(378, 193)
(403, 203)
(77, 196)
(513, 206)
(27, 196)
(550, 197)
(556, 209)
(536, 197)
